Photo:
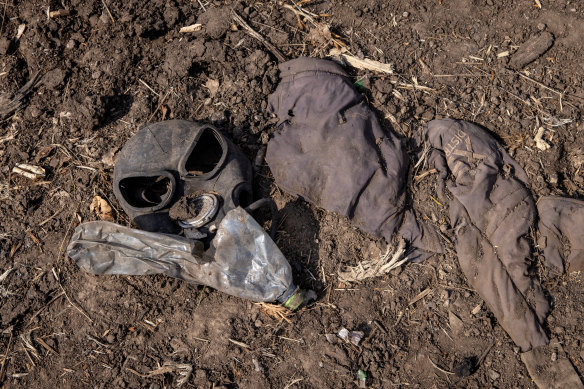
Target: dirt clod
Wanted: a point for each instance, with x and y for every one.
(531, 50)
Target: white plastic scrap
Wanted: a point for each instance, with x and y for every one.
(351, 336)
(539, 142)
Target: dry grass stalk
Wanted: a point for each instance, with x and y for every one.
(68, 299)
(184, 372)
(29, 171)
(60, 12)
(420, 296)
(367, 64)
(238, 343)
(10, 103)
(108, 11)
(5, 274)
(191, 28)
(5, 357)
(275, 311)
(376, 267)
(319, 34)
(250, 31)
(29, 347)
(46, 346)
(293, 382)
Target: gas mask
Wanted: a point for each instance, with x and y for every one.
(177, 175)
(180, 177)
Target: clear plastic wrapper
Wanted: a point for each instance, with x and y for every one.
(243, 260)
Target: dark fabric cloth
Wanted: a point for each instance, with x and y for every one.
(561, 227)
(331, 150)
(491, 213)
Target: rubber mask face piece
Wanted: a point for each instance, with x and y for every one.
(166, 161)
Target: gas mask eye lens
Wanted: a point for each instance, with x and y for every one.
(205, 155)
(143, 192)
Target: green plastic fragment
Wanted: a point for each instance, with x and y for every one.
(359, 84)
(296, 300)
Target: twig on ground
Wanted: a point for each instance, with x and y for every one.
(357, 63)
(6, 353)
(46, 346)
(148, 86)
(45, 307)
(439, 368)
(240, 344)
(159, 106)
(11, 103)
(68, 299)
(424, 174)
(67, 233)
(294, 381)
(108, 11)
(250, 31)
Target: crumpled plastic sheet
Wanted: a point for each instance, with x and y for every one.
(244, 260)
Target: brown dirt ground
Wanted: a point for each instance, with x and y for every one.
(104, 75)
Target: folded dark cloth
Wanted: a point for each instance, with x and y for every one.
(331, 150)
(491, 213)
(561, 226)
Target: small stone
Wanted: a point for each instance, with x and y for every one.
(331, 338)
(494, 375)
(104, 18)
(93, 19)
(71, 44)
(428, 115)
(34, 111)
(406, 14)
(541, 26)
(201, 376)
(554, 356)
(490, 2)
(5, 45)
(258, 323)
(558, 329)
(582, 354)
(257, 365)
